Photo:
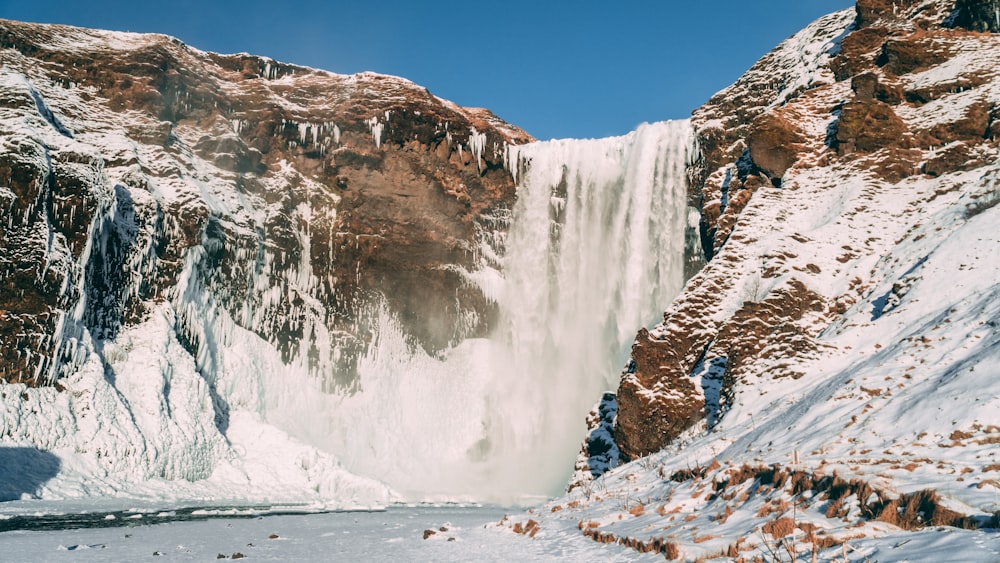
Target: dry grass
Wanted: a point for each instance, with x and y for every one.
(530, 528)
(779, 527)
(958, 435)
(920, 509)
(724, 515)
(777, 505)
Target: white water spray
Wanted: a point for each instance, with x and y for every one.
(594, 251)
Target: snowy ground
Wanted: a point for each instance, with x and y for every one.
(396, 534)
(469, 534)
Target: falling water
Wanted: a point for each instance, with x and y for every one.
(593, 252)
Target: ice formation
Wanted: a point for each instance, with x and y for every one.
(376, 127)
(477, 144)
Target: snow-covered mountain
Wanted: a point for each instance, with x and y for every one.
(832, 376)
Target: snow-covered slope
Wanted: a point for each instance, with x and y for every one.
(832, 376)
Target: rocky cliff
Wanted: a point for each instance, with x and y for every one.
(199, 252)
(135, 168)
(900, 96)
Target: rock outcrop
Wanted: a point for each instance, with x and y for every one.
(137, 170)
(976, 15)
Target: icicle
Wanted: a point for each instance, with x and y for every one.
(477, 143)
(376, 129)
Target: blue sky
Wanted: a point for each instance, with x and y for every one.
(557, 69)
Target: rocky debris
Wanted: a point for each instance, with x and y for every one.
(431, 533)
(298, 199)
(529, 528)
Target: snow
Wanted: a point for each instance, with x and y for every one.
(548, 358)
(902, 393)
(461, 533)
(471, 534)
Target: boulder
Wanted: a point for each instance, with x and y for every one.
(773, 142)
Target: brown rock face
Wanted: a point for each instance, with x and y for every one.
(858, 51)
(674, 408)
(293, 200)
(768, 329)
(902, 13)
(912, 53)
(869, 126)
(773, 143)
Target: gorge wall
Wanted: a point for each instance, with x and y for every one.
(289, 180)
(826, 387)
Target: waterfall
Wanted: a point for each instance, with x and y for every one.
(594, 250)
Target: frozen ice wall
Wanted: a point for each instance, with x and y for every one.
(593, 250)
